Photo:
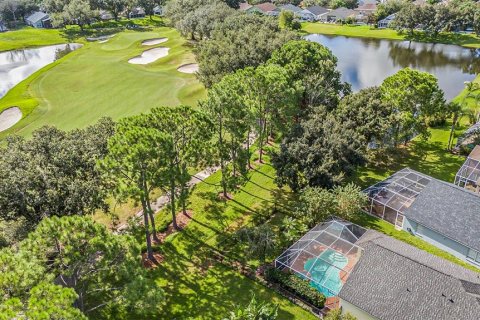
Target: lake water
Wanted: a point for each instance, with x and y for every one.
(17, 65)
(367, 62)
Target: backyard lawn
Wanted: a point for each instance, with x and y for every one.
(466, 40)
(196, 285)
(97, 80)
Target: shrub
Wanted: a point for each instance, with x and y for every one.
(295, 284)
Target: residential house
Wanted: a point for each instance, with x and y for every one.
(439, 212)
(373, 276)
(291, 8)
(340, 14)
(244, 6)
(38, 20)
(468, 176)
(386, 23)
(137, 12)
(105, 15)
(365, 11)
(266, 8)
(393, 280)
(312, 13)
(158, 11)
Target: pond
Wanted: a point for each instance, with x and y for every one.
(17, 65)
(367, 62)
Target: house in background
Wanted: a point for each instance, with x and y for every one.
(439, 212)
(365, 12)
(394, 280)
(244, 6)
(39, 20)
(266, 8)
(291, 8)
(3, 28)
(312, 13)
(137, 12)
(158, 11)
(340, 14)
(386, 23)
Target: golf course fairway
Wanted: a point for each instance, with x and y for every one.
(97, 81)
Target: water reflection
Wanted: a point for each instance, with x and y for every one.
(17, 65)
(367, 62)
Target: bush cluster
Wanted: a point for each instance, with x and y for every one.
(293, 283)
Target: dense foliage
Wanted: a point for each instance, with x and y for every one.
(240, 41)
(75, 260)
(255, 310)
(54, 173)
(298, 286)
(320, 151)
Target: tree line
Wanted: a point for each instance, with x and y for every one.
(435, 16)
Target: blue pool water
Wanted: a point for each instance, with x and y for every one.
(322, 271)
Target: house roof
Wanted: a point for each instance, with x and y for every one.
(290, 7)
(395, 281)
(317, 10)
(449, 210)
(342, 13)
(367, 7)
(266, 7)
(245, 6)
(37, 16)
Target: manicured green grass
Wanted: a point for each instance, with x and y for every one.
(28, 37)
(97, 80)
(466, 40)
(197, 286)
(430, 157)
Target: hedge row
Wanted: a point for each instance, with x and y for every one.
(295, 284)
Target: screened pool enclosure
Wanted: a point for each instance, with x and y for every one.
(389, 199)
(325, 255)
(468, 176)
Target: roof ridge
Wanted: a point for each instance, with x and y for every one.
(422, 264)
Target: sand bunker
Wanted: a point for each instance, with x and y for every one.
(9, 117)
(103, 41)
(150, 56)
(153, 42)
(188, 68)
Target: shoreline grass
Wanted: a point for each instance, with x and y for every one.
(465, 40)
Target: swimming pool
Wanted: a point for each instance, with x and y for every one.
(325, 272)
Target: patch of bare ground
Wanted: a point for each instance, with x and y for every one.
(222, 197)
(149, 264)
(182, 221)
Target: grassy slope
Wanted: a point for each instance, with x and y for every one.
(466, 40)
(28, 37)
(97, 81)
(197, 286)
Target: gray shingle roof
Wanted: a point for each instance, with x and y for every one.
(37, 16)
(316, 10)
(395, 281)
(290, 7)
(449, 210)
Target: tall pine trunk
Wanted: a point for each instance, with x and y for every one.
(147, 232)
(172, 204)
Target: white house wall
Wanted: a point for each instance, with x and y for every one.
(355, 311)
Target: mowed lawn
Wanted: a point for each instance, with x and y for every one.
(29, 37)
(97, 81)
(466, 40)
(196, 285)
